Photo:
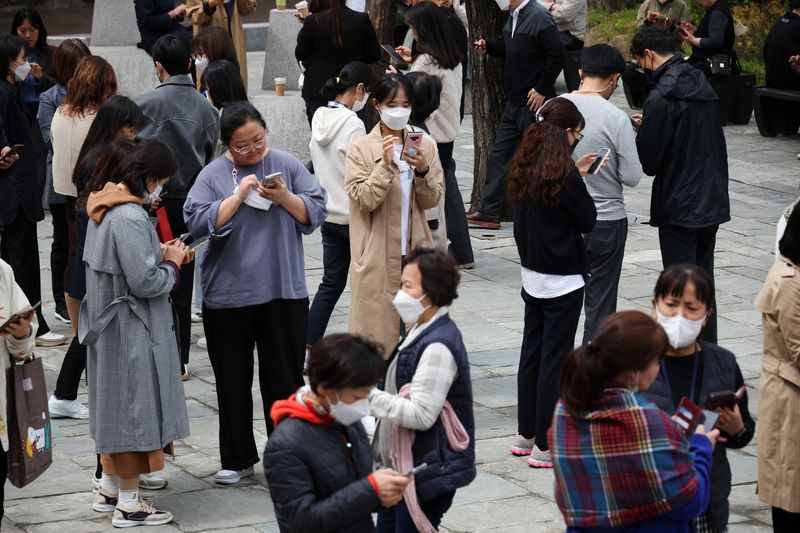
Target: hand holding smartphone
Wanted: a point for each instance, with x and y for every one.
(416, 470)
(687, 416)
(14, 150)
(412, 144)
(599, 161)
(269, 179)
(389, 49)
(16, 317)
(724, 399)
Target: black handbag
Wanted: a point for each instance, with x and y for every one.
(720, 65)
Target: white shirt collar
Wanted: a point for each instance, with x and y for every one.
(516, 11)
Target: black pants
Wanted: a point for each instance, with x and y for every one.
(549, 334)
(514, 122)
(606, 247)
(398, 519)
(3, 478)
(454, 214)
(694, 246)
(784, 521)
(336, 263)
(69, 377)
(570, 41)
(182, 297)
(59, 254)
(19, 247)
(277, 330)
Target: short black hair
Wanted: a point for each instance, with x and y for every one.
(148, 159)
(32, 16)
(10, 46)
(343, 361)
(440, 275)
(674, 278)
(427, 95)
(173, 53)
(795, 4)
(659, 40)
(789, 245)
(601, 61)
(224, 83)
(236, 115)
(386, 88)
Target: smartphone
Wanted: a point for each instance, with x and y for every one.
(269, 180)
(185, 237)
(679, 29)
(688, 416)
(14, 150)
(416, 470)
(710, 419)
(198, 243)
(793, 61)
(13, 319)
(724, 399)
(602, 157)
(413, 141)
(389, 49)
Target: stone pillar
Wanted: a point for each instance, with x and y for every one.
(114, 23)
(286, 122)
(279, 61)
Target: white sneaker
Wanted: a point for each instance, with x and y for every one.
(231, 477)
(144, 514)
(202, 342)
(67, 409)
(51, 339)
(197, 317)
(104, 502)
(95, 484)
(152, 481)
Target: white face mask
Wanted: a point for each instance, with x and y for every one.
(359, 105)
(200, 64)
(148, 199)
(503, 4)
(349, 413)
(395, 118)
(408, 307)
(22, 71)
(255, 200)
(681, 331)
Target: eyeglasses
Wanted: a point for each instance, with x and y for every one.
(244, 150)
(578, 135)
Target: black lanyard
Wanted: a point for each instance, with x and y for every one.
(695, 367)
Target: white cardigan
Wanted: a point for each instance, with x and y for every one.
(444, 127)
(67, 134)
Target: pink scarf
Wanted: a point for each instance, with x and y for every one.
(403, 440)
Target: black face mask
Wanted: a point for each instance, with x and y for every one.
(574, 144)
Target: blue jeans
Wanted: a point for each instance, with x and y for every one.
(336, 263)
(398, 520)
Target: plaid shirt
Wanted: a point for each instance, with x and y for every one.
(623, 462)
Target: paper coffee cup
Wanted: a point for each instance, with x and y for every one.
(302, 8)
(280, 86)
(280, 4)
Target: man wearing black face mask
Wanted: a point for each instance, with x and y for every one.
(681, 143)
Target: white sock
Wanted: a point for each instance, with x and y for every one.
(129, 498)
(109, 483)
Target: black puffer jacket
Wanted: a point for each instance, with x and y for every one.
(317, 476)
(682, 144)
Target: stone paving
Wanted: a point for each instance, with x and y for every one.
(507, 495)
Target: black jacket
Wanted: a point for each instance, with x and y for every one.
(682, 144)
(317, 477)
(550, 238)
(534, 56)
(321, 59)
(154, 22)
(783, 42)
(19, 185)
(715, 32)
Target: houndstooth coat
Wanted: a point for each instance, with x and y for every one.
(136, 399)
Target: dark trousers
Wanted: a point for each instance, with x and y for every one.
(606, 247)
(3, 478)
(59, 254)
(182, 296)
(784, 521)
(19, 247)
(336, 263)
(69, 377)
(514, 122)
(454, 214)
(570, 41)
(398, 519)
(548, 335)
(277, 330)
(694, 246)
(72, 243)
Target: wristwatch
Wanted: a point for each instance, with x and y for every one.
(421, 174)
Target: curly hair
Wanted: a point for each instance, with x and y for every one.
(544, 157)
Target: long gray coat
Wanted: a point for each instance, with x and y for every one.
(136, 398)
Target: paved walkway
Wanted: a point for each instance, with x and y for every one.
(507, 496)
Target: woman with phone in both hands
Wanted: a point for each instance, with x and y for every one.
(136, 402)
(425, 410)
(700, 371)
(255, 204)
(622, 464)
(389, 190)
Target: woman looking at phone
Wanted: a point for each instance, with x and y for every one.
(695, 369)
(253, 278)
(620, 462)
(389, 191)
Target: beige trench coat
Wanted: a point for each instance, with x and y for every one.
(375, 216)
(779, 396)
(201, 21)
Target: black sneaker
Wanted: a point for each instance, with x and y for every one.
(143, 514)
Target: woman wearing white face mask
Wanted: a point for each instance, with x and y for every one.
(334, 127)
(694, 369)
(427, 398)
(329, 486)
(389, 191)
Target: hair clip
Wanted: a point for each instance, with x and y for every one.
(539, 117)
(592, 347)
(337, 79)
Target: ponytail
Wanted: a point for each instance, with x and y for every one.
(350, 76)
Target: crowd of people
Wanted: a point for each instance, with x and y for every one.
(180, 182)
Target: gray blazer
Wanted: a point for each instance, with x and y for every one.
(48, 103)
(136, 395)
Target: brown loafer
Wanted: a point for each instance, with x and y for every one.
(480, 220)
